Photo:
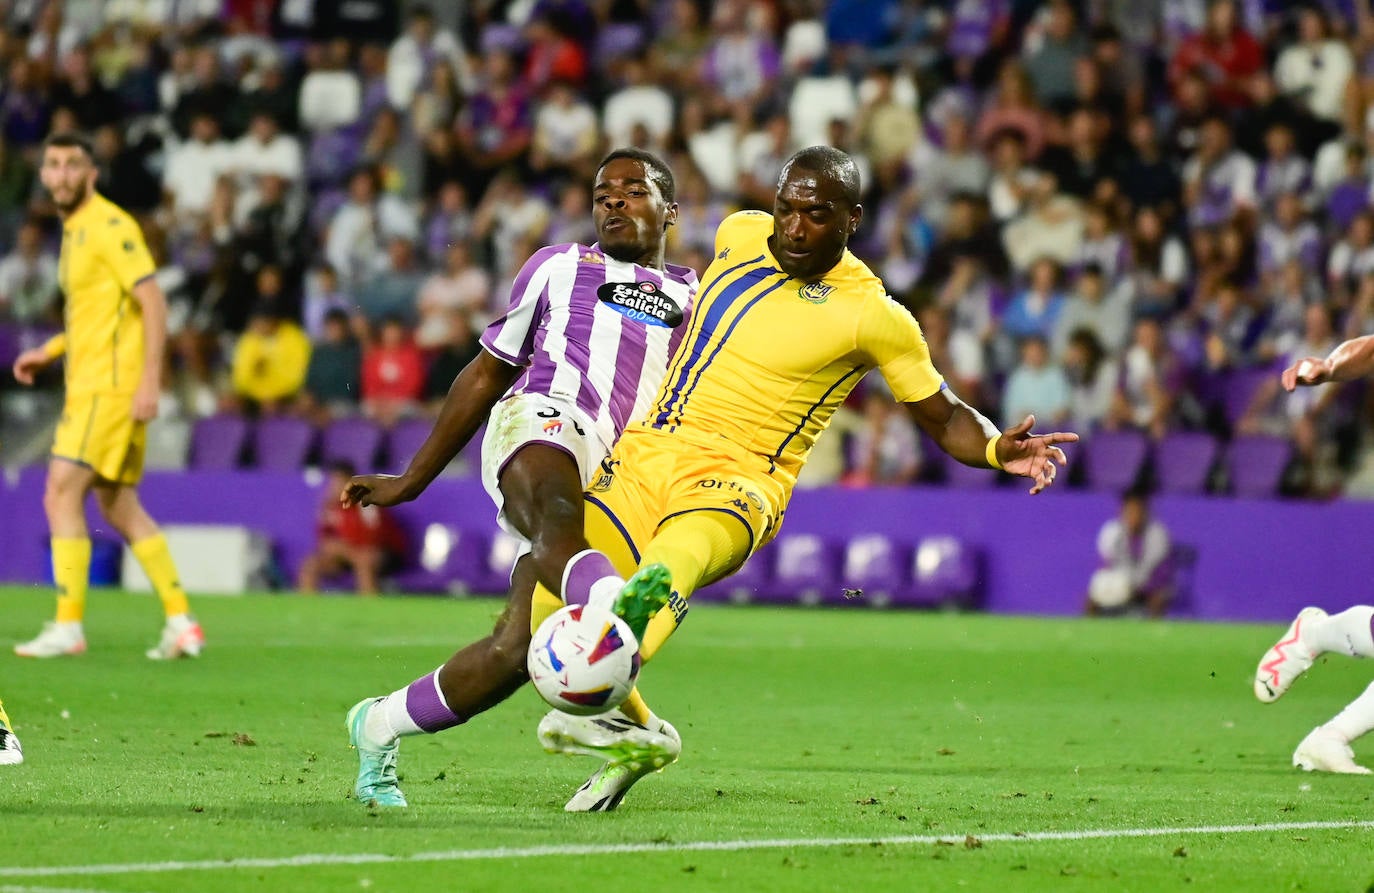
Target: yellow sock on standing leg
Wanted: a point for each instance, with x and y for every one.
(71, 572)
(152, 553)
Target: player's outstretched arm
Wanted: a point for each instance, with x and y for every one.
(470, 399)
(964, 433)
(1349, 361)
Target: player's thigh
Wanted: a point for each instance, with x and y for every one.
(705, 483)
(99, 432)
(68, 479)
(541, 487)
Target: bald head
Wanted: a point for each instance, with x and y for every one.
(828, 164)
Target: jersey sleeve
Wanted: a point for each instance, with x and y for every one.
(891, 339)
(510, 337)
(126, 252)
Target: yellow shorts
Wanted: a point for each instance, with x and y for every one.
(99, 431)
(652, 478)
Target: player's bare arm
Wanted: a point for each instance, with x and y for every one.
(1350, 360)
(965, 434)
(149, 296)
(470, 400)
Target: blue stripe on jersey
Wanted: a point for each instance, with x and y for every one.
(686, 395)
(773, 460)
(708, 324)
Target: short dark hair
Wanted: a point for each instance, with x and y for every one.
(657, 169)
(70, 139)
(336, 314)
(344, 467)
(832, 163)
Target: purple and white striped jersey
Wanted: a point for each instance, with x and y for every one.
(592, 329)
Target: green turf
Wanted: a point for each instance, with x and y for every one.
(798, 724)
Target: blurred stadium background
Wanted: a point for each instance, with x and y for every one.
(1122, 216)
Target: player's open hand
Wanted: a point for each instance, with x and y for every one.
(375, 489)
(1307, 372)
(1033, 456)
(29, 363)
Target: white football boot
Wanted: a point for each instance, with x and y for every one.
(1325, 751)
(56, 640)
(11, 754)
(181, 637)
(631, 751)
(1287, 660)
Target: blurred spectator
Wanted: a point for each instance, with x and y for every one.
(124, 175)
(1352, 257)
(1136, 571)
(23, 111)
(639, 101)
(363, 540)
(1288, 236)
(80, 91)
(333, 380)
(1147, 177)
(740, 64)
(390, 291)
(1084, 160)
(676, 55)
(823, 95)
(395, 155)
(453, 356)
(1218, 180)
(761, 155)
(1012, 107)
(1103, 243)
(1283, 170)
(889, 130)
(1051, 65)
(421, 48)
(192, 169)
(1091, 375)
(201, 90)
(270, 362)
(393, 374)
(551, 55)
(1231, 329)
(956, 166)
(28, 279)
(331, 95)
(566, 135)
(322, 297)
(366, 221)
(494, 128)
(452, 221)
(1096, 306)
(1051, 227)
(1035, 310)
(1316, 69)
(1159, 265)
(461, 288)
(265, 151)
(1349, 196)
(1150, 382)
(886, 450)
(1037, 386)
(1223, 53)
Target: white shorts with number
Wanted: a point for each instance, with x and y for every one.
(527, 419)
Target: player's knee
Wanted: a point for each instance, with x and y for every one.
(510, 643)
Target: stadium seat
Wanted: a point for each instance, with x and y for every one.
(744, 585)
(451, 560)
(1256, 463)
(282, 443)
(404, 441)
(616, 41)
(500, 561)
(1238, 390)
(356, 440)
(217, 442)
(1183, 559)
(874, 568)
(805, 570)
(1112, 460)
(944, 571)
(1183, 462)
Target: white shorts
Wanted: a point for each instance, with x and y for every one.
(536, 418)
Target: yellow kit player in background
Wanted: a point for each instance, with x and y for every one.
(11, 754)
(115, 330)
(786, 324)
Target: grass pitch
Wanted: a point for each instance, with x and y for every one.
(824, 750)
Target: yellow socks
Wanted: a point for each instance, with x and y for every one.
(152, 553)
(71, 571)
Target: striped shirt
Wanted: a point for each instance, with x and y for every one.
(591, 329)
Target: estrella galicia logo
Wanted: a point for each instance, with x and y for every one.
(815, 292)
(642, 302)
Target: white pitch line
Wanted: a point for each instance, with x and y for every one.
(11, 888)
(575, 849)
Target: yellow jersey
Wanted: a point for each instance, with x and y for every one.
(767, 359)
(103, 257)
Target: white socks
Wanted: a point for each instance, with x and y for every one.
(1345, 633)
(389, 719)
(604, 592)
(1357, 718)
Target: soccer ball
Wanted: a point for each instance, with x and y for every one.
(583, 660)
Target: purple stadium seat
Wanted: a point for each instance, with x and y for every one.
(876, 566)
(1238, 389)
(1112, 459)
(944, 570)
(451, 560)
(501, 37)
(500, 561)
(953, 472)
(404, 441)
(357, 440)
(1256, 463)
(1183, 462)
(282, 443)
(806, 568)
(217, 442)
(9, 345)
(616, 41)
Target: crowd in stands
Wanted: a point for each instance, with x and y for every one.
(1108, 213)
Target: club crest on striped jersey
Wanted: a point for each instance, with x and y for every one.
(642, 302)
(815, 292)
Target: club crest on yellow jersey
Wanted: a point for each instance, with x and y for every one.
(815, 292)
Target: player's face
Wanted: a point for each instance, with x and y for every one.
(68, 175)
(812, 223)
(629, 211)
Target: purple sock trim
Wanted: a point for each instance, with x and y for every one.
(427, 708)
(584, 570)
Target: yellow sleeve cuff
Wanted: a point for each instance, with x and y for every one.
(991, 453)
(55, 346)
